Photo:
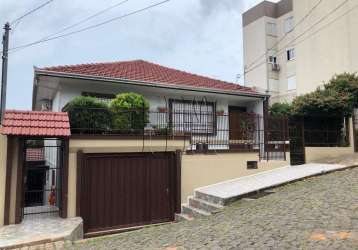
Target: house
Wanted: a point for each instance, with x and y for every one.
(116, 179)
(205, 107)
(286, 52)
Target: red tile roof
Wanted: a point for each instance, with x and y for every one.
(143, 71)
(35, 123)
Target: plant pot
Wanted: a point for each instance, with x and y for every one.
(162, 110)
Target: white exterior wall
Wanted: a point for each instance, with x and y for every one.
(257, 43)
(159, 98)
(254, 36)
(327, 49)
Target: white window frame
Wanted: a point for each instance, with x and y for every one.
(271, 29)
(289, 24)
(291, 83)
(195, 117)
(272, 59)
(290, 54)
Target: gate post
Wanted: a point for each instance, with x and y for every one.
(178, 155)
(354, 121)
(20, 182)
(64, 183)
(265, 121)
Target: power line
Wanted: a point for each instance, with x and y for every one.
(31, 11)
(302, 34)
(286, 34)
(84, 20)
(76, 24)
(89, 27)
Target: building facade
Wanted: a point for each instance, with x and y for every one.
(292, 47)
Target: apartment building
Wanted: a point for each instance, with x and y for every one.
(293, 46)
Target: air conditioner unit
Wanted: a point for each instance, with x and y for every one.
(275, 67)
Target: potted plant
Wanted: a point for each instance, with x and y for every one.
(162, 109)
(220, 112)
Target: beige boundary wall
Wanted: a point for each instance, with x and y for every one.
(3, 154)
(201, 170)
(4, 140)
(315, 154)
(197, 170)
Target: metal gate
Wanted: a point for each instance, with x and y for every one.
(126, 190)
(355, 128)
(273, 138)
(297, 141)
(42, 162)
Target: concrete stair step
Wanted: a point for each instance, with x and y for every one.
(183, 217)
(204, 205)
(210, 198)
(194, 212)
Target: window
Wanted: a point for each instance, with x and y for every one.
(271, 29)
(272, 59)
(289, 23)
(291, 83)
(100, 96)
(194, 117)
(290, 54)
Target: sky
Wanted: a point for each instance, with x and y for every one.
(198, 36)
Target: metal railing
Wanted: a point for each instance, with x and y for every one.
(205, 130)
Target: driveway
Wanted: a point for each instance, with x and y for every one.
(317, 213)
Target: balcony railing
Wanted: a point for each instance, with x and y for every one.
(204, 130)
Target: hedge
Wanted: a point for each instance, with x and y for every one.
(88, 114)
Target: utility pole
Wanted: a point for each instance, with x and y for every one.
(5, 50)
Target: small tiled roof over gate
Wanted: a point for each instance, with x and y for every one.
(36, 123)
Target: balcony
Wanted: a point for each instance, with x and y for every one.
(201, 131)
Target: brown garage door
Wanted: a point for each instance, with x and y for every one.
(126, 190)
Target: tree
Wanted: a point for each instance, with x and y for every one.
(129, 111)
(322, 103)
(280, 109)
(345, 83)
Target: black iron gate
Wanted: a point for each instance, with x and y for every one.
(43, 160)
(297, 141)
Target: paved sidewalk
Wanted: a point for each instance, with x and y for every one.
(227, 191)
(40, 231)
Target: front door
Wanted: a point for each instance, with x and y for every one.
(235, 128)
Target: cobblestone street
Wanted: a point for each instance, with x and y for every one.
(317, 213)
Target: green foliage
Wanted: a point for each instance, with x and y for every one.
(338, 98)
(345, 83)
(129, 111)
(88, 112)
(322, 103)
(280, 109)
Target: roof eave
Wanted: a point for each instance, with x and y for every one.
(39, 72)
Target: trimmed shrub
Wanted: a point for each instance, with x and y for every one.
(88, 115)
(129, 112)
